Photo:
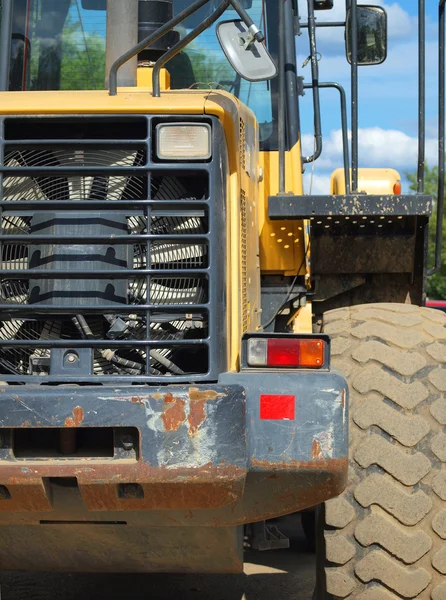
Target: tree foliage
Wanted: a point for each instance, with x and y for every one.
(436, 285)
(83, 58)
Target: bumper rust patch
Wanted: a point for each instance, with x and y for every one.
(76, 419)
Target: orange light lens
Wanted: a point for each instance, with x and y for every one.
(397, 188)
(311, 353)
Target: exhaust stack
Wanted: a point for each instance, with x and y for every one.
(122, 34)
(129, 23)
(152, 15)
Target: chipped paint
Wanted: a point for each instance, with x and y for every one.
(197, 395)
(324, 443)
(76, 420)
(316, 452)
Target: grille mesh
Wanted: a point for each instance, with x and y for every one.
(162, 327)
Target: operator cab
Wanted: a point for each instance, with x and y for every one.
(61, 45)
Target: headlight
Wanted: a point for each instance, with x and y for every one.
(183, 141)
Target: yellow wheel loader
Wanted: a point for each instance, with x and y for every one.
(191, 345)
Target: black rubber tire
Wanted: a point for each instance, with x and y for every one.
(385, 536)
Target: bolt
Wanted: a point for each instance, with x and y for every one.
(127, 443)
(72, 358)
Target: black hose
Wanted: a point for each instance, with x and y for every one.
(82, 326)
(128, 364)
(162, 360)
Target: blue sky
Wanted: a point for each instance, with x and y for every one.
(388, 94)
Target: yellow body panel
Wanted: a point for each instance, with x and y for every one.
(282, 243)
(144, 79)
(370, 181)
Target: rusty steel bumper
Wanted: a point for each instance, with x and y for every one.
(200, 451)
(161, 480)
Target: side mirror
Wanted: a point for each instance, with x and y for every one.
(372, 35)
(249, 58)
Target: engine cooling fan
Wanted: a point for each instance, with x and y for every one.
(165, 255)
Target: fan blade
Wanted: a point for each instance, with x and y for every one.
(99, 188)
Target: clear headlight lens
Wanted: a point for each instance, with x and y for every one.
(184, 141)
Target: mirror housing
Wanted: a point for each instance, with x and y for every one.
(249, 58)
(372, 35)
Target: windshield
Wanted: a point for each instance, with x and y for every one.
(211, 69)
(58, 45)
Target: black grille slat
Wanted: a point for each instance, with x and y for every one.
(176, 269)
(117, 239)
(100, 343)
(54, 274)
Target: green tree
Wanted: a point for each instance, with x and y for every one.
(210, 68)
(83, 58)
(436, 285)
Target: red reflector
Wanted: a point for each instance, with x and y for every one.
(283, 353)
(397, 188)
(277, 408)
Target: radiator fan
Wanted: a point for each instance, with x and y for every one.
(164, 255)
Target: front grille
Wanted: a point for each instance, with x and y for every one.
(244, 258)
(112, 261)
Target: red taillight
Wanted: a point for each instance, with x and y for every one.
(282, 353)
(286, 352)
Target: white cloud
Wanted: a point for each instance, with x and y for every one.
(400, 24)
(319, 185)
(379, 148)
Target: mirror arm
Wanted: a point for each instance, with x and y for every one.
(421, 94)
(344, 119)
(354, 81)
(207, 22)
(325, 24)
(252, 27)
(315, 86)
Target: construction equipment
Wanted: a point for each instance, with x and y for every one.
(180, 322)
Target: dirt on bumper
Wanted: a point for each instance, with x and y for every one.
(198, 455)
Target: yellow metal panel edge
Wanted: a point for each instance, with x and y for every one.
(127, 101)
(227, 109)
